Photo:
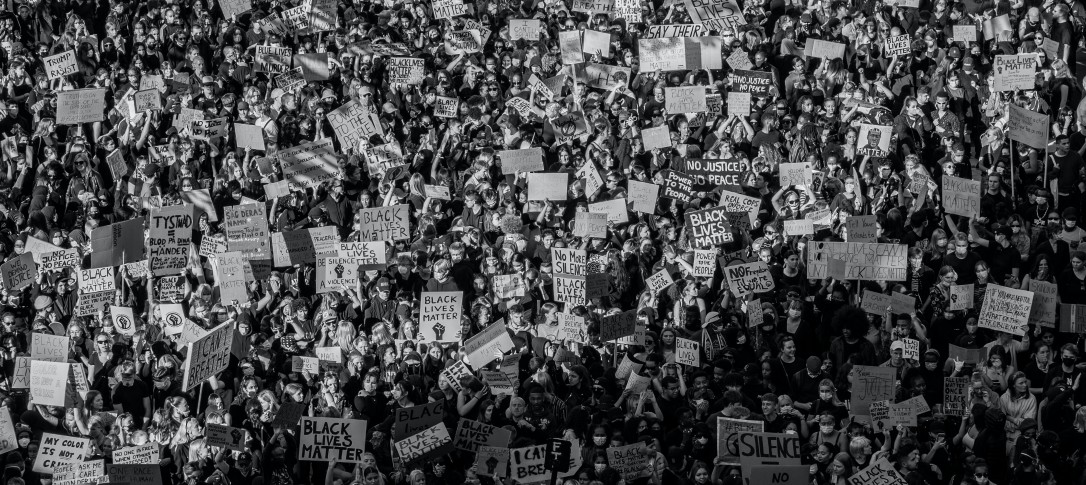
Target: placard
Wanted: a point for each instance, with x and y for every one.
(704, 263)
(19, 272)
(208, 355)
(795, 174)
(642, 196)
(224, 436)
(439, 316)
(880, 472)
(590, 224)
(60, 65)
(1028, 127)
(874, 140)
(961, 297)
(824, 49)
(309, 165)
(135, 474)
(898, 45)
(749, 278)
(571, 327)
(741, 203)
(1072, 318)
(969, 356)
(965, 33)
(332, 439)
(407, 70)
(249, 136)
(81, 106)
(547, 187)
(147, 100)
(447, 9)
(491, 461)
(799, 227)
(1005, 309)
(768, 449)
(1015, 72)
(524, 160)
(78, 473)
(485, 346)
(685, 99)
(48, 382)
(961, 196)
(208, 130)
(718, 15)
(432, 441)
(472, 435)
(615, 209)
(60, 260)
(526, 464)
(863, 261)
(570, 43)
(871, 384)
(658, 281)
(445, 107)
(524, 29)
(677, 185)
(629, 461)
(727, 436)
(780, 474)
(56, 449)
(674, 30)
(1043, 310)
(661, 54)
(613, 327)
(912, 349)
(956, 396)
(246, 228)
(352, 123)
(687, 352)
(169, 239)
(230, 8)
(138, 455)
(656, 137)
(862, 228)
(51, 348)
(709, 227)
(390, 223)
(710, 174)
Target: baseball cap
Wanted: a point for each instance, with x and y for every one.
(382, 284)
(897, 345)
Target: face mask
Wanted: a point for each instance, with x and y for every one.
(794, 313)
(742, 340)
(930, 365)
(790, 431)
(600, 441)
(826, 396)
(703, 441)
(23, 443)
(600, 468)
(1069, 361)
(826, 429)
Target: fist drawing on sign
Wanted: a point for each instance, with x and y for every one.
(439, 331)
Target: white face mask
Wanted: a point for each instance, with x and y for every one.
(826, 429)
(790, 431)
(703, 441)
(742, 340)
(826, 396)
(600, 441)
(600, 468)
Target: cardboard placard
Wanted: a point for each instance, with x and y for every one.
(1014, 72)
(613, 327)
(147, 100)
(19, 272)
(225, 436)
(472, 435)
(871, 384)
(208, 130)
(432, 441)
(961, 196)
(718, 15)
(642, 196)
(749, 278)
(492, 461)
(332, 439)
(687, 352)
(677, 185)
(169, 239)
(1028, 127)
(727, 435)
(133, 473)
(309, 165)
(661, 54)
(824, 49)
(447, 9)
(764, 449)
(249, 136)
(956, 396)
(523, 160)
(874, 140)
(406, 70)
(48, 382)
(439, 316)
(590, 224)
(353, 123)
(898, 45)
(965, 33)
(548, 186)
(864, 261)
(483, 347)
(81, 106)
(880, 472)
(961, 297)
(1043, 311)
(139, 455)
(60, 65)
(445, 107)
(208, 355)
(1005, 309)
(659, 281)
(629, 461)
(656, 137)
(570, 43)
(524, 29)
(798, 227)
(795, 174)
(862, 228)
(595, 42)
(686, 99)
(389, 223)
(56, 449)
(615, 209)
(709, 227)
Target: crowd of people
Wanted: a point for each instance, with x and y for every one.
(805, 353)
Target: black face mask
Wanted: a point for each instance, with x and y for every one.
(1069, 361)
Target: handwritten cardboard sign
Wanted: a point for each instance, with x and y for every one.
(439, 317)
(1028, 127)
(685, 99)
(1014, 72)
(60, 65)
(332, 439)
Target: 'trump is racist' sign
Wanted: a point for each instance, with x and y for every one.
(332, 439)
